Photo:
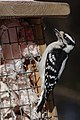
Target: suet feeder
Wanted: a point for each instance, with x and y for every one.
(22, 34)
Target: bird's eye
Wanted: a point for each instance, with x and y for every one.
(65, 37)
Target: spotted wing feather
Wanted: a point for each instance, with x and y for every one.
(54, 61)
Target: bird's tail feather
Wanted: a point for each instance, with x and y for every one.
(41, 102)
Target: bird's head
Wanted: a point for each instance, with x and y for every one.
(67, 42)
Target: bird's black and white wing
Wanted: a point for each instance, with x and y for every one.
(54, 67)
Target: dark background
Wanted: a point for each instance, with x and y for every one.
(71, 25)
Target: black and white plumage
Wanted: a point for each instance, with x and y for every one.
(52, 64)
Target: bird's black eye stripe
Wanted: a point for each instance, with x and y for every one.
(67, 39)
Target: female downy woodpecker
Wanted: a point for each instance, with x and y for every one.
(52, 64)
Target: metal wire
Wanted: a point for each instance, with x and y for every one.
(23, 72)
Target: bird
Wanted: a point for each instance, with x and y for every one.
(52, 64)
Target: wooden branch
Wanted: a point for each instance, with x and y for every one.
(33, 9)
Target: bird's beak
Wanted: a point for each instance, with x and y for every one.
(58, 34)
(56, 31)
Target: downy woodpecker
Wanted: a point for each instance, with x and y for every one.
(52, 64)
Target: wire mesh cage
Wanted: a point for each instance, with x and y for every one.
(19, 79)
